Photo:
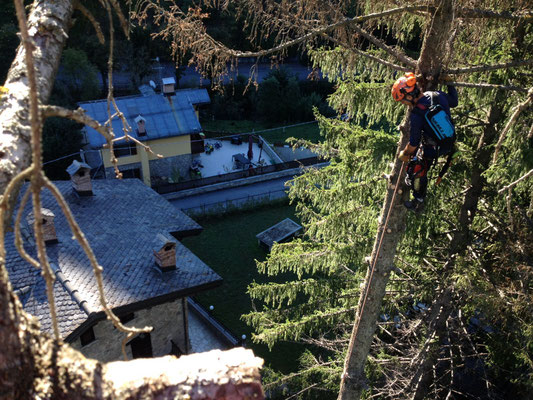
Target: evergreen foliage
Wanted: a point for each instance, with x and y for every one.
(340, 204)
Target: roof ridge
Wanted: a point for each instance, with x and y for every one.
(71, 290)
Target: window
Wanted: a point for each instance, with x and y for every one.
(131, 173)
(125, 149)
(87, 337)
(126, 318)
(141, 346)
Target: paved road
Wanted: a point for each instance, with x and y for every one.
(272, 189)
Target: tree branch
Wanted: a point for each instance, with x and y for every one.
(367, 55)
(77, 115)
(327, 28)
(382, 45)
(526, 15)
(487, 86)
(481, 68)
(513, 184)
(517, 110)
(48, 22)
(78, 6)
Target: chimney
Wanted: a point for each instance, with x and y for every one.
(141, 125)
(80, 176)
(49, 231)
(164, 249)
(169, 86)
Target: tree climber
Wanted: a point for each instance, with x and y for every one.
(432, 133)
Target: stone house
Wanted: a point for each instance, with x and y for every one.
(147, 272)
(167, 122)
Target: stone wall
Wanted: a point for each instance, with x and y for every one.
(169, 322)
(170, 167)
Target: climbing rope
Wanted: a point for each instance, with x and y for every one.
(379, 244)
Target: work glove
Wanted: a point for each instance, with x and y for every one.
(445, 79)
(404, 157)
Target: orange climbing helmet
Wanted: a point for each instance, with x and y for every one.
(405, 85)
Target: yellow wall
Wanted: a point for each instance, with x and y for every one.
(167, 147)
(170, 147)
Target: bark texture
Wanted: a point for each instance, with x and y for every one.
(48, 23)
(429, 66)
(20, 338)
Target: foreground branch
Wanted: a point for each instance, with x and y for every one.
(382, 45)
(232, 374)
(48, 22)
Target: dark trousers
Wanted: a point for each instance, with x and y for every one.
(417, 171)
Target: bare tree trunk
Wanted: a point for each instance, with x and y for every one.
(429, 65)
(20, 338)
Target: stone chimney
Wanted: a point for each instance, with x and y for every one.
(169, 86)
(164, 249)
(80, 176)
(141, 125)
(49, 230)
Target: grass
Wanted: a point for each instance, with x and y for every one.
(309, 131)
(229, 246)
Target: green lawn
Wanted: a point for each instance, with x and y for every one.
(229, 246)
(272, 134)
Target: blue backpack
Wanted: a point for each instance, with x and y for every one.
(442, 130)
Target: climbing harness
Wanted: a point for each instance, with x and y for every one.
(451, 155)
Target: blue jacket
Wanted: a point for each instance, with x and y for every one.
(419, 125)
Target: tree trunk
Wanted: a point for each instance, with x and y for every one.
(429, 65)
(20, 338)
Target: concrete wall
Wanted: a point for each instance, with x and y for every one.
(169, 321)
(271, 153)
(287, 153)
(169, 167)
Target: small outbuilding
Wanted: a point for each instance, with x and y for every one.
(281, 232)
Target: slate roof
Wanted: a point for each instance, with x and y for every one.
(121, 221)
(165, 116)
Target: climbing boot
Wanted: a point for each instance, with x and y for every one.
(414, 205)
